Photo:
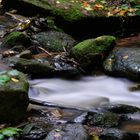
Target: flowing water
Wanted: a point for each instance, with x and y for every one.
(85, 93)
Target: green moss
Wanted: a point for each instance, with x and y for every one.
(10, 132)
(15, 38)
(107, 119)
(66, 9)
(55, 41)
(4, 79)
(71, 14)
(13, 96)
(88, 50)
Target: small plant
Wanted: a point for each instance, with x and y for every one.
(9, 132)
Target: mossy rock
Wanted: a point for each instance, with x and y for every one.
(55, 41)
(121, 108)
(124, 62)
(34, 67)
(15, 38)
(68, 132)
(77, 9)
(106, 119)
(43, 67)
(116, 134)
(13, 96)
(92, 51)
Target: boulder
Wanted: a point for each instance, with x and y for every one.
(55, 41)
(115, 134)
(121, 108)
(14, 38)
(34, 67)
(4, 67)
(68, 132)
(43, 67)
(106, 119)
(91, 52)
(124, 62)
(13, 96)
(76, 10)
(83, 18)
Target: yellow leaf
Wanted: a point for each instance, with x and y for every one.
(125, 57)
(123, 12)
(15, 80)
(88, 8)
(57, 135)
(98, 7)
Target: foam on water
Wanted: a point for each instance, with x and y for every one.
(86, 92)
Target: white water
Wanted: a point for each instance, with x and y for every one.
(86, 93)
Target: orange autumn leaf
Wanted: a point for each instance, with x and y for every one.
(123, 12)
(85, 4)
(98, 7)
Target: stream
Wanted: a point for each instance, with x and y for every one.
(86, 92)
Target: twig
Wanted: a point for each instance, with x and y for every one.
(45, 51)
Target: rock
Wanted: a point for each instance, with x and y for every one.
(72, 11)
(35, 131)
(54, 41)
(43, 67)
(68, 132)
(64, 67)
(106, 119)
(115, 134)
(14, 38)
(34, 67)
(25, 54)
(92, 51)
(4, 67)
(13, 96)
(83, 19)
(80, 119)
(121, 108)
(6, 24)
(124, 62)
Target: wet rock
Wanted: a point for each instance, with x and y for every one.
(55, 41)
(6, 23)
(81, 119)
(92, 51)
(115, 134)
(34, 131)
(25, 54)
(43, 67)
(135, 87)
(122, 109)
(69, 132)
(124, 62)
(64, 66)
(106, 119)
(13, 96)
(34, 67)
(14, 38)
(4, 67)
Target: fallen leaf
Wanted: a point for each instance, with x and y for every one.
(15, 80)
